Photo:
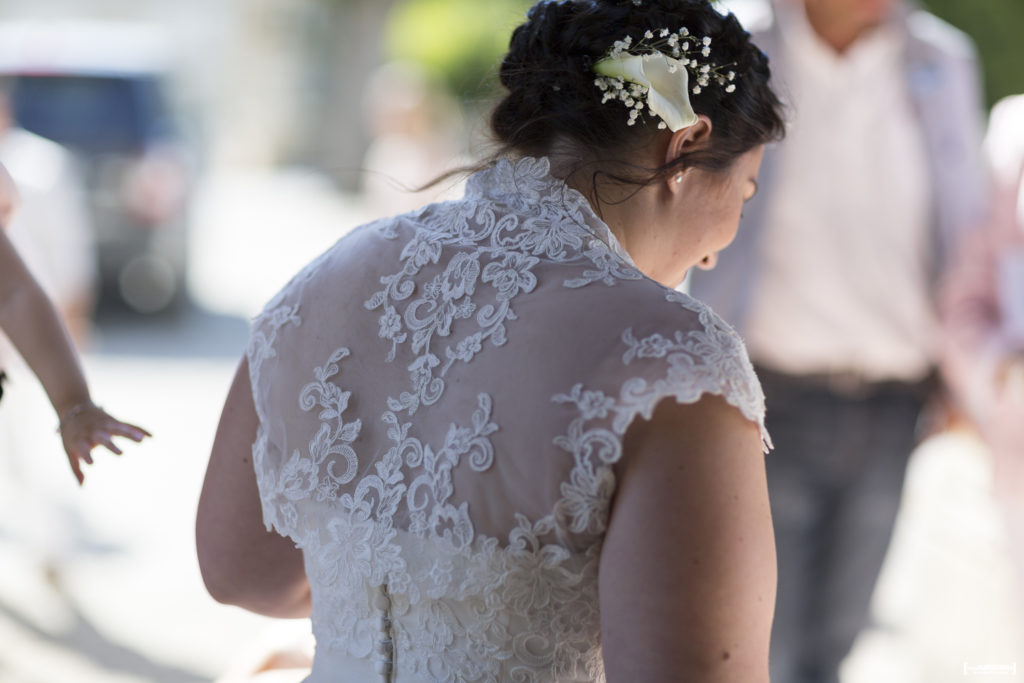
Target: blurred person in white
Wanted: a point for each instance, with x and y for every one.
(52, 228)
(488, 440)
(52, 234)
(49, 264)
(32, 324)
(983, 315)
(832, 282)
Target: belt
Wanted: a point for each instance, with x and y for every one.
(849, 384)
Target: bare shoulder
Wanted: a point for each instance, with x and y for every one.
(701, 449)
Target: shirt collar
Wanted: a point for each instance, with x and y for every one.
(878, 48)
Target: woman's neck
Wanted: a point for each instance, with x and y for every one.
(636, 216)
(635, 212)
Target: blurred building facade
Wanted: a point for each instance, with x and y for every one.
(263, 82)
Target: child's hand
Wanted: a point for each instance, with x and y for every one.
(86, 426)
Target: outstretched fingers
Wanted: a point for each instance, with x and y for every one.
(90, 426)
(74, 460)
(129, 431)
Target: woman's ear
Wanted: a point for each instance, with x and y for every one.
(688, 139)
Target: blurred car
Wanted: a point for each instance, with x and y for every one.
(100, 89)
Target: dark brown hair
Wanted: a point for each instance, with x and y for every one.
(552, 99)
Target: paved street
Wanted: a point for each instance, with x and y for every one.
(100, 585)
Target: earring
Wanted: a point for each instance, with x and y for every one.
(679, 178)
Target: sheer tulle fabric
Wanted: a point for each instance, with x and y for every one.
(442, 397)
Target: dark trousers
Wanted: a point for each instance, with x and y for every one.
(834, 480)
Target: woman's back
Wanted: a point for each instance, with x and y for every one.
(442, 401)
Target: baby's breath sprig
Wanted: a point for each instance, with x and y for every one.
(684, 50)
(685, 47)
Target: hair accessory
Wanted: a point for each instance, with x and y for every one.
(656, 71)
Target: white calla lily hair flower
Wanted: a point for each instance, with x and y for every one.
(665, 78)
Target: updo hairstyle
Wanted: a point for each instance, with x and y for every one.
(552, 99)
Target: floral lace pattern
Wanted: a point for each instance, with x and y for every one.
(374, 493)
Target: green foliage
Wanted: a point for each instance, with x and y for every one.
(997, 27)
(463, 40)
(460, 40)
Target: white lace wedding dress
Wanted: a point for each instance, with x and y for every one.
(442, 397)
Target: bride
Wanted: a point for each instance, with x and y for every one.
(488, 440)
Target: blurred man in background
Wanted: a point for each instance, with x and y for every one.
(831, 280)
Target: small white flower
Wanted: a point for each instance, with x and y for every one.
(705, 68)
(673, 40)
(707, 40)
(648, 35)
(686, 46)
(662, 125)
(655, 346)
(706, 52)
(595, 404)
(696, 90)
(664, 33)
(390, 323)
(684, 31)
(468, 348)
(730, 88)
(731, 75)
